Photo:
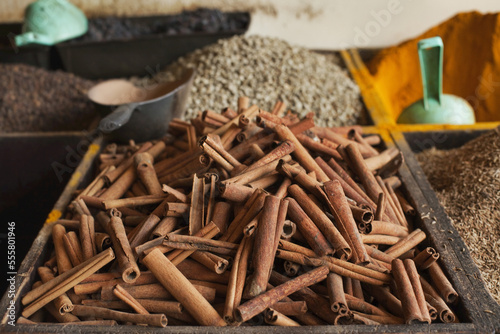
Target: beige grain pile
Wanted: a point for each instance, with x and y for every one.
(467, 182)
(267, 70)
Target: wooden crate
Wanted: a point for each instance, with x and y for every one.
(478, 304)
(476, 309)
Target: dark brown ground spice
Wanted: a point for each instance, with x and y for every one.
(467, 183)
(33, 99)
(202, 20)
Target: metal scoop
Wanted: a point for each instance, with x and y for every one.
(139, 113)
(435, 107)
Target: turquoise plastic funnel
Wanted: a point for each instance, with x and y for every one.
(49, 22)
(435, 107)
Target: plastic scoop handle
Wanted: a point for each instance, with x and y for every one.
(430, 54)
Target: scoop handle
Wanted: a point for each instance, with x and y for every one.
(33, 38)
(118, 118)
(430, 54)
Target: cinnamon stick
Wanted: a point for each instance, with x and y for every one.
(112, 175)
(62, 303)
(316, 303)
(120, 186)
(87, 236)
(156, 320)
(54, 288)
(411, 309)
(407, 243)
(196, 213)
(326, 226)
(154, 290)
(242, 270)
(235, 192)
(300, 152)
(102, 241)
(63, 260)
(73, 248)
(446, 315)
(110, 280)
(133, 201)
(357, 195)
(380, 239)
(336, 294)
(386, 228)
(243, 102)
(151, 305)
(411, 270)
(178, 285)
(221, 215)
(124, 255)
(122, 294)
(426, 258)
(275, 318)
(146, 173)
(143, 230)
(317, 147)
(364, 174)
(380, 206)
(231, 290)
(285, 148)
(308, 229)
(263, 301)
(249, 211)
(337, 266)
(342, 213)
(165, 226)
(386, 299)
(292, 308)
(442, 283)
(212, 261)
(263, 254)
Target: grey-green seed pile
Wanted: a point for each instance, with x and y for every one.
(267, 70)
(467, 183)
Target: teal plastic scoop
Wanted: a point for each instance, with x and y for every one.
(435, 107)
(49, 22)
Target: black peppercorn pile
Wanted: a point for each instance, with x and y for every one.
(200, 20)
(33, 99)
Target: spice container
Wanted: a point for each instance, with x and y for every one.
(144, 53)
(35, 55)
(472, 319)
(34, 179)
(460, 169)
(395, 71)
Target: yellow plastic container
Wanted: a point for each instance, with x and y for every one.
(381, 113)
(471, 68)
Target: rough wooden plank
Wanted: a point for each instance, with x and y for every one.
(75, 180)
(433, 328)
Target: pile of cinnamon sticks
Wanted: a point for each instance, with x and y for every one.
(243, 217)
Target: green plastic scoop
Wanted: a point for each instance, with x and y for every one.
(435, 107)
(49, 22)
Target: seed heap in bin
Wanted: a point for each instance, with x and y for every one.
(243, 217)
